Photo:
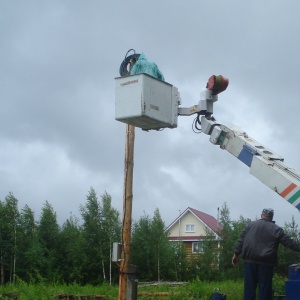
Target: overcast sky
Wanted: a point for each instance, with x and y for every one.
(59, 136)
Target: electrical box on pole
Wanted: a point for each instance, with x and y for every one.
(116, 253)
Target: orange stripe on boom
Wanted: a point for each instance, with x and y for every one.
(288, 190)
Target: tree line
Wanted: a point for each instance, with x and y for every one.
(79, 251)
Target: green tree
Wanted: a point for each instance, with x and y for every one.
(162, 250)
(91, 214)
(30, 251)
(8, 238)
(205, 266)
(151, 251)
(141, 250)
(111, 232)
(180, 263)
(287, 256)
(229, 234)
(2, 242)
(227, 238)
(48, 234)
(71, 251)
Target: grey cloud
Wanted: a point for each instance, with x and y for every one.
(58, 64)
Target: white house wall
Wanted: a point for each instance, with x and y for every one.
(188, 218)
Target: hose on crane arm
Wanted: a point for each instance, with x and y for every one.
(197, 124)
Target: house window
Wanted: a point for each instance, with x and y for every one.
(197, 247)
(189, 228)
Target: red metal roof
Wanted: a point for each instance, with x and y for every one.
(209, 220)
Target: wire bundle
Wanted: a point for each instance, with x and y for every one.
(124, 65)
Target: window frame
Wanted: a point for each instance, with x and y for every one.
(200, 246)
(192, 227)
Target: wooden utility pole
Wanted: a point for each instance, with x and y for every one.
(127, 212)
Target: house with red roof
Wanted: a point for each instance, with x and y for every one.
(193, 228)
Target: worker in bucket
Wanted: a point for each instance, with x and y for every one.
(142, 65)
(258, 245)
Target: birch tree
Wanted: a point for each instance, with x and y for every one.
(111, 231)
(8, 238)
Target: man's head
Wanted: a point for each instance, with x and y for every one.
(267, 213)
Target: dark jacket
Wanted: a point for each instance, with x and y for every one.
(258, 242)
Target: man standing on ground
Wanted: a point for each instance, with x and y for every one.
(258, 244)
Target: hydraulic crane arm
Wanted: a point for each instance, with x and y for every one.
(264, 164)
(151, 104)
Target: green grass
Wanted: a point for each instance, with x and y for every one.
(195, 290)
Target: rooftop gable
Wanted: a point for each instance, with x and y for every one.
(206, 219)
